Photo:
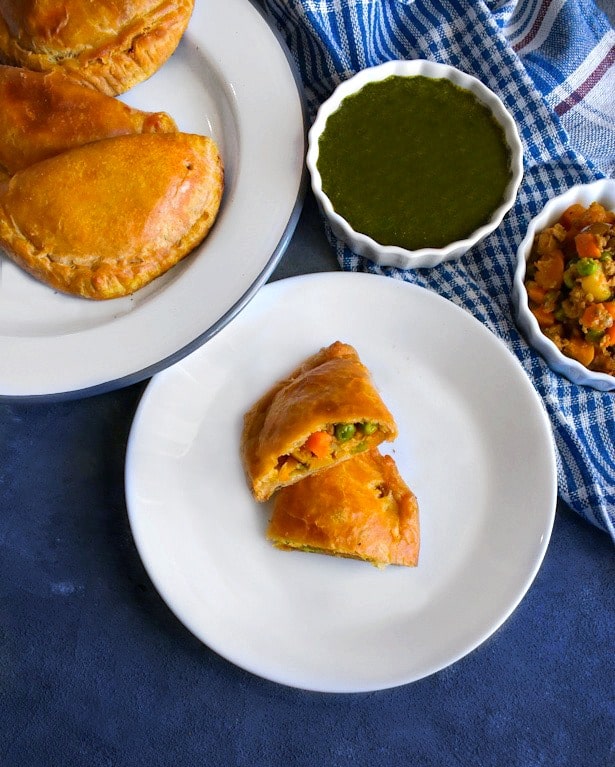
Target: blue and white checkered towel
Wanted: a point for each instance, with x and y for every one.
(552, 62)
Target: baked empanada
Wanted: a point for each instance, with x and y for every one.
(326, 411)
(106, 218)
(45, 114)
(110, 45)
(361, 509)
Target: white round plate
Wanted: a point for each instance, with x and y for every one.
(474, 444)
(230, 78)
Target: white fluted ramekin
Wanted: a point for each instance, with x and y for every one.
(602, 191)
(391, 255)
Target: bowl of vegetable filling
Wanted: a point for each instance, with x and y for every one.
(564, 284)
(413, 162)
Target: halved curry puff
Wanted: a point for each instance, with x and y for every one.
(360, 508)
(324, 412)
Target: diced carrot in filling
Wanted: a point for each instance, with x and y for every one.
(610, 308)
(596, 213)
(580, 350)
(319, 443)
(545, 318)
(595, 317)
(535, 292)
(571, 215)
(550, 270)
(587, 245)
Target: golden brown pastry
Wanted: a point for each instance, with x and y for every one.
(104, 219)
(326, 411)
(43, 115)
(110, 45)
(360, 508)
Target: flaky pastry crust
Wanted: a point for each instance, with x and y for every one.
(332, 388)
(44, 114)
(104, 219)
(361, 509)
(110, 45)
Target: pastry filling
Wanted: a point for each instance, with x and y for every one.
(337, 440)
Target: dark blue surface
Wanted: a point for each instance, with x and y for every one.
(95, 670)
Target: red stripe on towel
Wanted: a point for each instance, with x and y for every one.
(586, 86)
(535, 26)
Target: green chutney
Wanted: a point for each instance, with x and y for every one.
(414, 162)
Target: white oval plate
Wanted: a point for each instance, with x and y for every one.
(475, 445)
(230, 78)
